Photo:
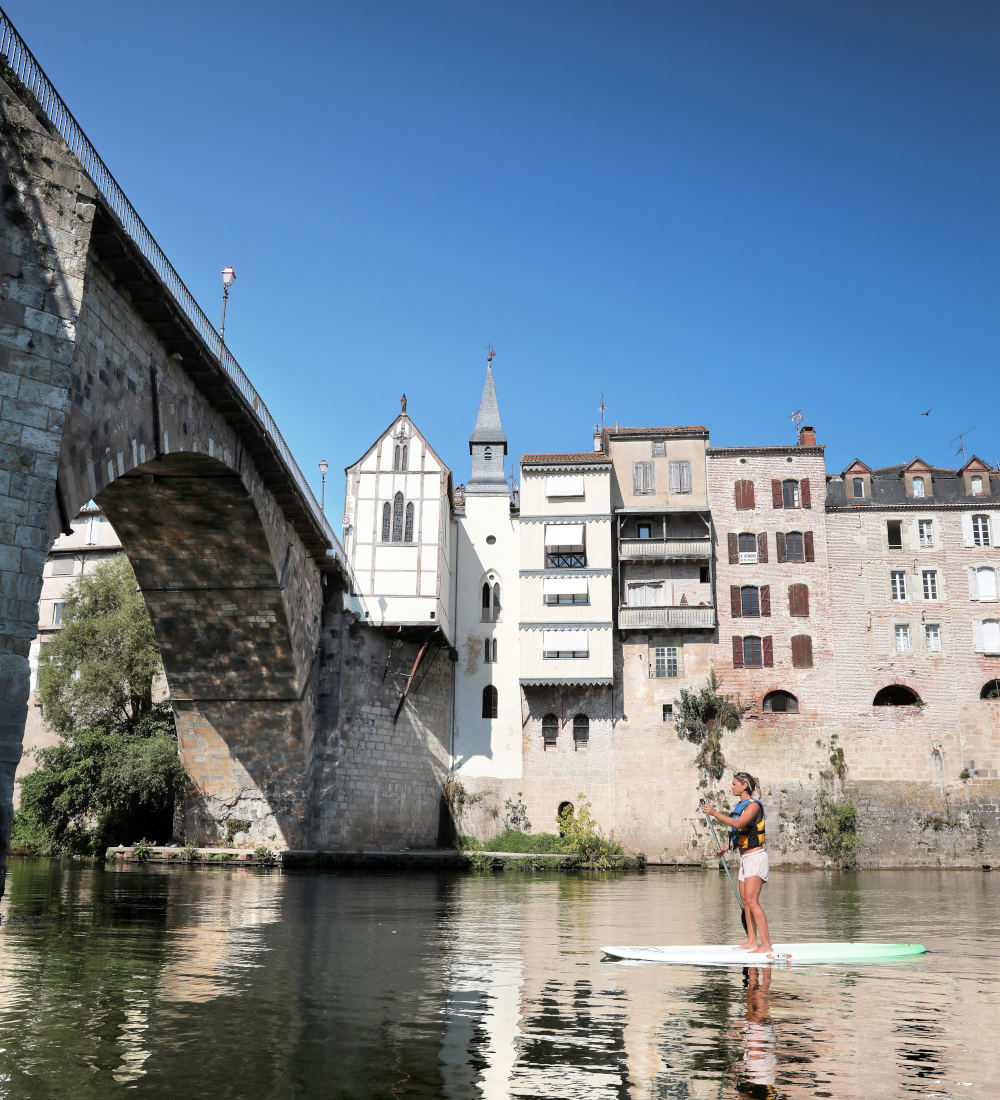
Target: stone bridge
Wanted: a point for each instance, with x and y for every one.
(115, 388)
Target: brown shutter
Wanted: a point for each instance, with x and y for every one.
(738, 495)
(798, 599)
(737, 651)
(765, 599)
(779, 545)
(762, 547)
(802, 656)
(805, 497)
(808, 540)
(776, 493)
(734, 549)
(767, 645)
(735, 603)
(744, 495)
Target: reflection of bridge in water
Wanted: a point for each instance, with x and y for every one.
(115, 387)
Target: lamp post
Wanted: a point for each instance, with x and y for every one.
(323, 467)
(228, 278)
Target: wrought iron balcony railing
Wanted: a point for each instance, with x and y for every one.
(14, 53)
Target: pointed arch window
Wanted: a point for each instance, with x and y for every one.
(404, 458)
(386, 521)
(491, 701)
(408, 530)
(491, 602)
(397, 518)
(395, 457)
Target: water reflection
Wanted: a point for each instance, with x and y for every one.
(177, 981)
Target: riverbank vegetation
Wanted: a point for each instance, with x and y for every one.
(115, 774)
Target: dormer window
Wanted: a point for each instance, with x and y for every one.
(918, 487)
(977, 485)
(857, 487)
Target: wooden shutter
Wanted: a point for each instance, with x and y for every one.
(973, 583)
(967, 530)
(767, 645)
(762, 547)
(744, 496)
(737, 651)
(977, 635)
(735, 602)
(776, 493)
(675, 477)
(805, 497)
(810, 550)
(765, 599)
(734, 549)
(779, 545)
(802, 651)
(798, 599)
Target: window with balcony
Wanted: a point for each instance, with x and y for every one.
(564, 546)
(644, 530)
(665, 663)
(645, 594)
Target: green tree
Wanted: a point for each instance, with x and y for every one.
(701, 717)
(115, 774)
(98, 671)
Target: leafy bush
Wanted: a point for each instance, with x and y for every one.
(583, 835)
(515, 815)
(264, 855)
(836, 832)
(140, 851)
(701, 717)
(236, 825)
(468, 844)
(513, 840)
(191, 854)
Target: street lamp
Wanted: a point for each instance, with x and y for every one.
(228, 278)
(323, 467)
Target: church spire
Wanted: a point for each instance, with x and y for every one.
(488, 444)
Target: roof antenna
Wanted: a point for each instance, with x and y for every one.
(796, 419)
(601, 409)
(960, 449)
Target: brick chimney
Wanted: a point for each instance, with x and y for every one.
(807, 436)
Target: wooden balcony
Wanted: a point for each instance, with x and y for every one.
(665, 549)
(666, 618)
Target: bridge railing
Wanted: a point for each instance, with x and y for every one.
(15, 54)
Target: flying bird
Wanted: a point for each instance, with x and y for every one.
(928, 413)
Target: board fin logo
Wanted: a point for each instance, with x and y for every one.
(779, 955)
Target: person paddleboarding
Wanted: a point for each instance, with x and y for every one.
(746, 835)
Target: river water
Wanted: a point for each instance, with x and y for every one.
(182, 982)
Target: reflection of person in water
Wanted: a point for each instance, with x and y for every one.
(760, 1061)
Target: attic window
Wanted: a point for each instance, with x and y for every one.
(918, 486)
(977, 485)
(857, 487)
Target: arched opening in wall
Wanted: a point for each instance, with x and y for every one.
(491, 600)
(397, 518)
(581, 731)
(897, 695)
(550, 731)
(780, 702)
(991, 690)
(386, 521)
(565, 810)
(229, 631)
(408, 529)
(491, 701)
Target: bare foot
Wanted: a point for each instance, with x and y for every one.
(764, 947)
(750, 945)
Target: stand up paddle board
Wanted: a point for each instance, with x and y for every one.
(785, 953)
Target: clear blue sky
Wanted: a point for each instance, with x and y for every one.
(714, 213)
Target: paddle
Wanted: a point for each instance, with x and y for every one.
(725, 865)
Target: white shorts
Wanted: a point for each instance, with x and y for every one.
(754, 864)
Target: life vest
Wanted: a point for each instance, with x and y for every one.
(754, 836)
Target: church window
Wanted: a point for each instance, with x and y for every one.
(491, 701)
(403, 465)
(491, 602)
(397, 518)
(386, 521)
(395, 457)
(408, 530)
